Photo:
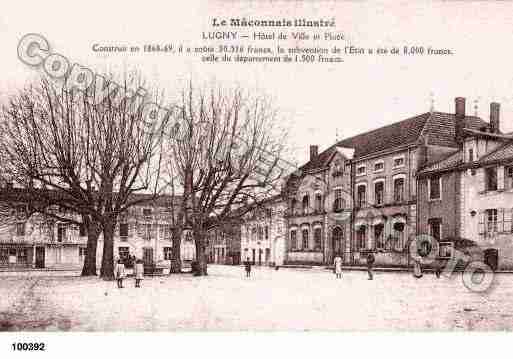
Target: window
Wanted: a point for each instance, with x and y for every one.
(124, 255)
(360, 170)
(508, 177)
(123, 230)
(266, 231)
(82, 252)
(293, 206)
(435, 228)
(379, 166)
(338, 238)
(317, 238)
(167, 253)
(379, 236)
(491, 179)
(21, 211)
(61, 232)
(379, 193)
(399, 190)
(82, 232)
(20, 228)
(306, 204)
(147, 212)
(445, 250)
(339, 204)
(260, 233)
(398, 162)
(269, 212)
(471, 155)
(254, 234)
(491, 220)
(398, 234)
(147, 231)
(318, 202)
(168, 234)
(22, 256)
(361, 238)
(435, 184)
(361, 195)
(293, 239)
(304, 233)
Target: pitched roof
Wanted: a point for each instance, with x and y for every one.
(504, 152)
(436, 127)
(452, 160)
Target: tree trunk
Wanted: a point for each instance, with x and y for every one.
(93, 232)
(201, 259)
(107, 270)
(176, 262)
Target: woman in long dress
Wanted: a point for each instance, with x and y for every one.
(417, 270)
(338, 266)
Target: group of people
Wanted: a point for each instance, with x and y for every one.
(120, 273)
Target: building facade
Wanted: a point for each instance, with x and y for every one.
(37, 241)
(379, 186)
(468, 195)
(263, 233)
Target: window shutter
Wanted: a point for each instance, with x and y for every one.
(500, 225)
(482, 222)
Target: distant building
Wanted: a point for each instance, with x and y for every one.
(223, 246)
(263, 233)
(34, 241)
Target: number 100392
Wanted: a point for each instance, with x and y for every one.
(28, 347)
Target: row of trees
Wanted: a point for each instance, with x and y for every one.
(217, 151)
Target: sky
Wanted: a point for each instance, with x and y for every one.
(318, 101)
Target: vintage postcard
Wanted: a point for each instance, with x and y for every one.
(238, 166)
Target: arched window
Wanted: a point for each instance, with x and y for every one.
(318, 202)
(306, 204)
(361, 193)
(338, 238)
(305, 239)
(318, 238)
(293, 239)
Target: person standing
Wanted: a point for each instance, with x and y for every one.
(120, 273)
(370, 264)
(417, 269)
(139, 272)
(338, 266)
(247, 265)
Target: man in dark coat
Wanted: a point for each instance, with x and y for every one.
(247, 265)
(370, 264)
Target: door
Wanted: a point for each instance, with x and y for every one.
(40, 257)
(267, 255)
(148, 258)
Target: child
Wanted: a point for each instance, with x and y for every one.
(139, 273)
(338, 266)
(120, 273)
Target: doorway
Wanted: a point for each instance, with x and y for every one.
(40, 257)
(148, 258)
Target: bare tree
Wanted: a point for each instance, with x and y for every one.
(226, 154)
(93, 148)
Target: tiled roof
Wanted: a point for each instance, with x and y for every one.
(504, 152)
(437, 127)
(451, 161)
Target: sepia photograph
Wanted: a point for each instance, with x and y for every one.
(307, 167)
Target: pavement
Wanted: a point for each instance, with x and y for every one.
(292, 299)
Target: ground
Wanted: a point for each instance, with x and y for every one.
(287, 299)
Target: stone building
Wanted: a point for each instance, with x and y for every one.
(377, 179)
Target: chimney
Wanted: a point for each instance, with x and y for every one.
(495, 109)
(459, 119)
(314, 149)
